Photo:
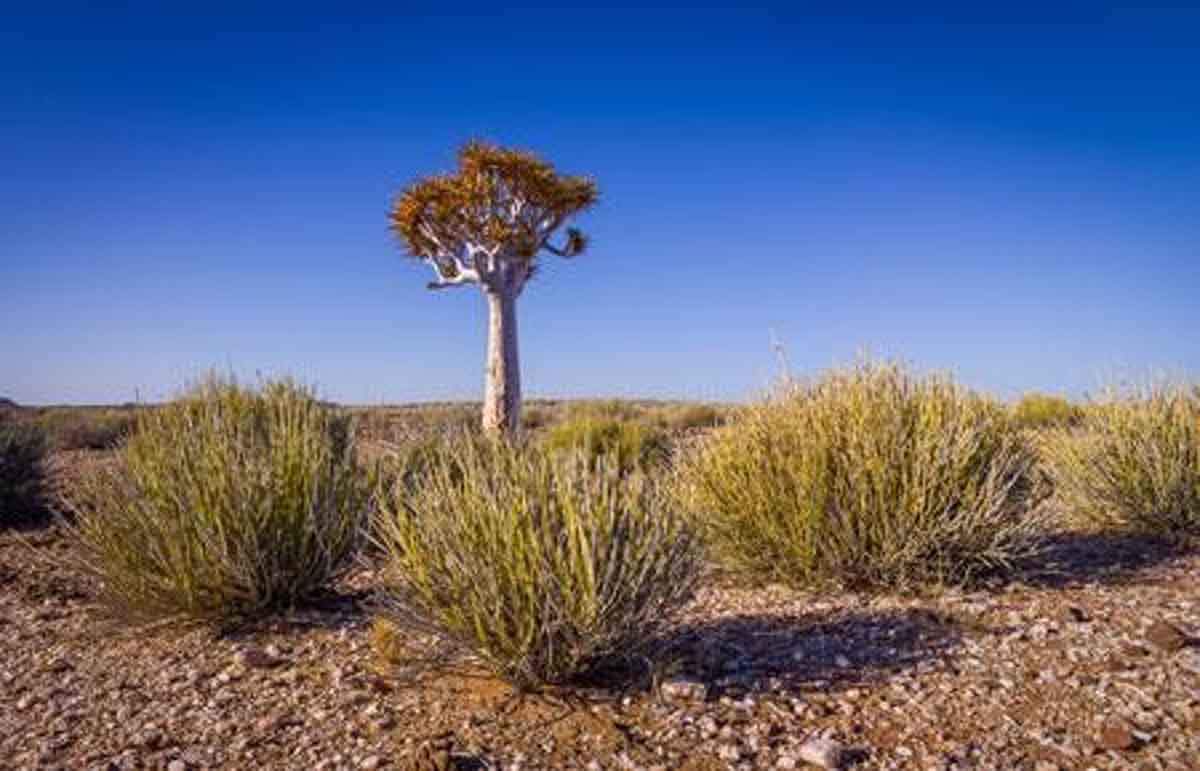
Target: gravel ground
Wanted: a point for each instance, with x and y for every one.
(1088, 662)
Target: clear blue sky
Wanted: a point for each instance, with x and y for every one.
(1010, 193)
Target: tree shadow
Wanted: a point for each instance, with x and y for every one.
(1075, 559)
(805, 652)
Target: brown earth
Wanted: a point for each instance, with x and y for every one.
(1075, 666)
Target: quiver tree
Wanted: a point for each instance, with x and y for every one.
(488, 224)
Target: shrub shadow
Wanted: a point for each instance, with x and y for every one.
(337, 608)
(1075, 559)
(28, 521)
(797, 653)
(35, 565)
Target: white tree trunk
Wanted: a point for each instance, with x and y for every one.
(502, 392)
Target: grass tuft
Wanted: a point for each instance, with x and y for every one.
(632, 444)
(539, 563)
(692, 417)
(1132, 465)
(1042, 411)
(226, 502)
(868, 477)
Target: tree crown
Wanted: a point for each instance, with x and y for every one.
(501, 207)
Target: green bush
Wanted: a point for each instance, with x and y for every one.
(228, 501)
(539, 563)
(22, 473)
(868, 477)
(630, 443)
(1132, 465)
(1041, 411)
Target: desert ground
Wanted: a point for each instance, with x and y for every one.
(1086, 659)
(1073, 667)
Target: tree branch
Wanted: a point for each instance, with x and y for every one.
(451, 272)
(574, 246)
(450, 283)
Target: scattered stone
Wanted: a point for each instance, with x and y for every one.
(1167, 637)
(430, 756)
(974, 698)
(822, 752)
(58, 666)
(682, 689)
(1076, 614)
(255, 658)
(271, 723)
(1189, 660)
(1117, 734)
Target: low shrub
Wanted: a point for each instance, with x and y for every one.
(405, 465)
(535, 418)
(539, 563)
(614, 409)
(692, 417)
(630, 443)
(416, 421)
(1132, 465)
(85, 428)
(1041, 411)
(22, 473)
(226, 502)
(867, 477)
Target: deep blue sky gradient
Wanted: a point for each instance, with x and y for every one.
(1012, 193)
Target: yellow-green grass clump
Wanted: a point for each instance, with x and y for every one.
(630, 443)
(1133, 464)
(226, 502)
(869, 477)
(692, 417)
(539, 563)
(1041, 411)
